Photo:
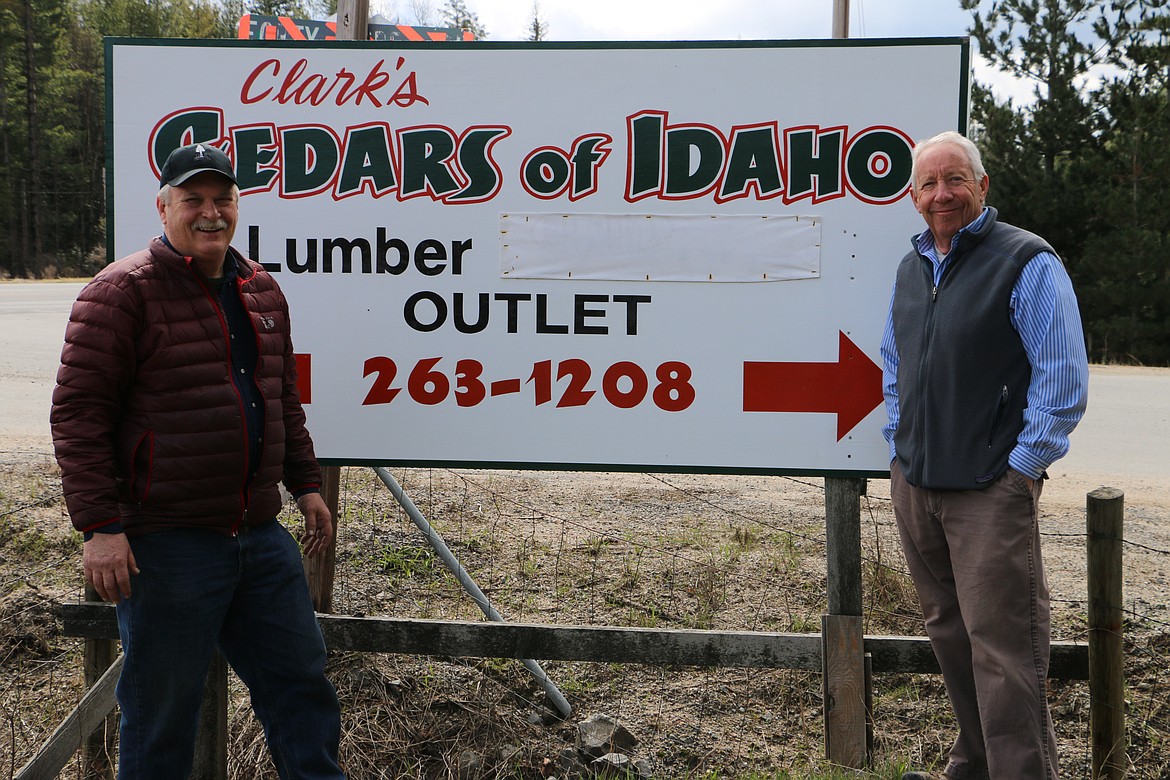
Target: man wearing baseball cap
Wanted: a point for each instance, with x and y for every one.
(175, 415)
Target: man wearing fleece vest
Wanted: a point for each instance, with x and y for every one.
(985, 376)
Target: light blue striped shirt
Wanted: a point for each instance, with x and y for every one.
(1044, 312)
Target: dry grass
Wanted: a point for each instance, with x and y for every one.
(743, 553)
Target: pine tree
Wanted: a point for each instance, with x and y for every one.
(1127, 295)
(1087, 164)
(1042, 41)
(537, 27)
(457, 14)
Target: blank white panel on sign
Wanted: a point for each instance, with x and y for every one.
(660, 247)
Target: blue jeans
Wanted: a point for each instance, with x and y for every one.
(246, 595)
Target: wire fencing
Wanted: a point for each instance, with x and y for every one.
(722, 552)
(605, 549)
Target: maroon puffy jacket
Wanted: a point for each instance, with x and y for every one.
(147, 425)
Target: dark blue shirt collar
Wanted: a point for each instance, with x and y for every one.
(230, 268)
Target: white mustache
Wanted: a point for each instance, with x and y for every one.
(210, 224)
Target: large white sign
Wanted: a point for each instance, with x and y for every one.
(645, 256)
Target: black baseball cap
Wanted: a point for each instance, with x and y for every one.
(186, 161)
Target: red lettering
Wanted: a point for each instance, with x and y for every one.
(299, 86)
(310, 90)
(245, 96)
(407, 93)
(348, 78)
(375, 80)
(288, 87)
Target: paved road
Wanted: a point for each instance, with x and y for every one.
(1126, 432)
(32, 328)
(1127, 427)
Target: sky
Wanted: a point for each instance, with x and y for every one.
(726, 20)
(632, 20)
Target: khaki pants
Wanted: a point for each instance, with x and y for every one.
(974, 556)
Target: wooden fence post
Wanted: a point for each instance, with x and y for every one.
(98, 746)
(843, 649)
(319, 570)
(1105, 511)
(211, 738)
(843, 544)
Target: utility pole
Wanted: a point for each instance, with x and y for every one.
(840, 18)
(353, 20)
(843, 669)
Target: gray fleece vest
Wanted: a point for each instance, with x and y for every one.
(963, 374)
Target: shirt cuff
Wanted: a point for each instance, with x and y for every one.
(1026, 463)
(110, 528)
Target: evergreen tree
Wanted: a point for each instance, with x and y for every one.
(1088, 168)
(13, 249)
(294, 9)
(31, 29)
(52, 121)
(1127, 270)
(456, 14)
(537, 27)
(1042, 41)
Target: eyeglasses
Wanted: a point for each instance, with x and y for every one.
(951, 183)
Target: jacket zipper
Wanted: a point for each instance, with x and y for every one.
(918, 467)
(227, 338)
(1000, 408)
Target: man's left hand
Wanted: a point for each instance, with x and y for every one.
(1029, 481)
(318, 524)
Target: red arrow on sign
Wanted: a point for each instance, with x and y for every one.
(851, 388)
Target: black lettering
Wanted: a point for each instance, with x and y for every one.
(254, 250)
(475, 159)
(814, 164)
(457, 250)
(546, 173)
(347, 248)
(631, 302)
(461, 323)
(581, 312)
(512, 300)
(399, 246)
(542, 324)
(644, 173)
(426, 154)
(428, 250)
(694, 160)
(409, 311)
(290, 256)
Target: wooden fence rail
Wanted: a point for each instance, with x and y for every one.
(96, 704)
(448, 638)
(654, 646)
